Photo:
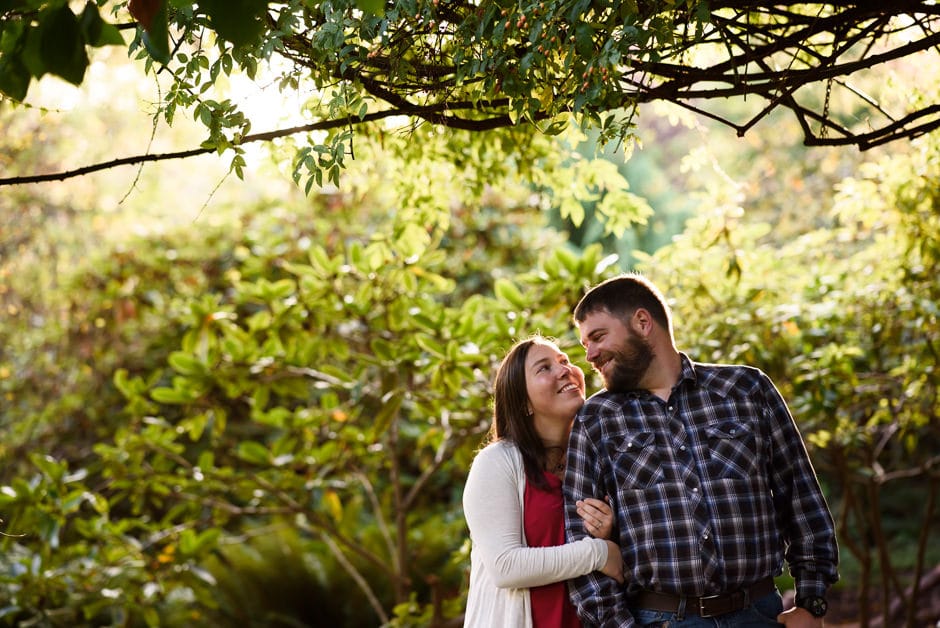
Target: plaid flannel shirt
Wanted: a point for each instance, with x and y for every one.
(711, 491)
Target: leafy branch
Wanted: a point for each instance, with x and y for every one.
(462, 65)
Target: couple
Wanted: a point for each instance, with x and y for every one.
(669, 499)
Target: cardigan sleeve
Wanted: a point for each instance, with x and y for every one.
(492, 503)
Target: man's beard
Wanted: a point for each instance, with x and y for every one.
(630, 364)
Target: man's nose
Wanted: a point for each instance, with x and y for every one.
(589, 352)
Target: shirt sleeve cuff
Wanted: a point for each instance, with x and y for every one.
(811, 587)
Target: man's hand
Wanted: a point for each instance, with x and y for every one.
(799, 618)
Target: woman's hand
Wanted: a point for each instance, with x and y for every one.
(598, 517)
(614, 565)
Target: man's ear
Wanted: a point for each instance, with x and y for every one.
(641, 321)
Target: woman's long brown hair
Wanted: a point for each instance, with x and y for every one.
(511, 418)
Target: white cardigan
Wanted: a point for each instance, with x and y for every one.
(502, 567)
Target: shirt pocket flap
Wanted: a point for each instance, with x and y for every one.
(633, 442)
(732, 451)
(728, 429)
(634, 461)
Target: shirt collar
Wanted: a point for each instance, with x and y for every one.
(688, 370)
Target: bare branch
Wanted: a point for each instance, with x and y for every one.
(431, 113)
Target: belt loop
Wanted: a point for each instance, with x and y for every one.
(680, 612)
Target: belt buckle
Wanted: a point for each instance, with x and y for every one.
(702, 601)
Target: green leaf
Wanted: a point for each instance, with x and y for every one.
(31, 54)
(195, 426)
(48, 530)
(14, 77)
(122, 383)
(186, 363)
(280, 289)
(151, 616)
(430, 345)
(568, 259)
(237, 21)
(253, 452)
(192, 544)
(21, 488)
(382, 349)
(169, 395)
(507, 292)
(584, 42)
(50, 467)
(276, 417)
(413, 240)
(97, 31)
(63, 45)
(73, 501)
(391, 403)
(373, 7)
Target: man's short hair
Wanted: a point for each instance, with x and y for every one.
(623, 295)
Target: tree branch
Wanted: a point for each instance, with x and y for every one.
(446, 56)
(432, 114)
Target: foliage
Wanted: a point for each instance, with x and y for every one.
(278, 386)
(529, 65)
(320, 374)
(51, 38)
(292, 392)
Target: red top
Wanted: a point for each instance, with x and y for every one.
(544, 522)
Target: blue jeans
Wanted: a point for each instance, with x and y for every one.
(762, 613)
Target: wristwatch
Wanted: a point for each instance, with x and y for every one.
(816, 605)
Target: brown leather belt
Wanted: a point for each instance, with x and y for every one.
(707, 605)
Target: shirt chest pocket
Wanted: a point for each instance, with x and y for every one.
(732, 450)
(635, 461)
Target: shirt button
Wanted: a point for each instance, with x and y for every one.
(705, 536)
(695, 490)
(682, 447)
(671, 408)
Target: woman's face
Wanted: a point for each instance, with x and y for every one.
(554, 385)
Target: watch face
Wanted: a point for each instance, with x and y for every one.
(817, 606)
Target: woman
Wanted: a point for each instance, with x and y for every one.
(513, 502)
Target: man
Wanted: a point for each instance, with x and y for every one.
(708, 476)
